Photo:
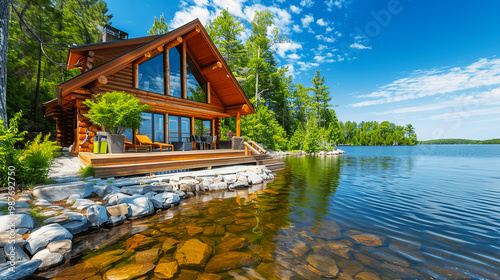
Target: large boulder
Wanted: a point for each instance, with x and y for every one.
(137, 189)
(14, 252)
(231, 260)
(139, 206)
(82, 204)
(114, 199)
(161, 187)
(253, 177)
(164, 200)
(21, 223)
(62, 246)
(193, 254)
(48, 258)
(97, 216)
(56, 192)
(129, 271)
(41, 237)
(72, 221)
(21, 270)
(117, 220)
(108, 191)
(217, 186)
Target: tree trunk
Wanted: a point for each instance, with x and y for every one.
(37, 90)
(257, 81)
(4, 35)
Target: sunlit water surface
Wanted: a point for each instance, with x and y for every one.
(435, 210)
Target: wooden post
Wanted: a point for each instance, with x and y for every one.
(183, 71)
(192, 132)
(238, 117)
(135, 74)
(165, 127)
(166, 66)
(209, 98)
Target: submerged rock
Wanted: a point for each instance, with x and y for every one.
(366, 276)
(231, 260)
(148, 256)
(322, 266)
(138, 240)
(76, 272)
(129, 271)
(103, 260)
(231, 245)
(209, 276)
(365, 238)
(169, 245)
(166, 270)
(193, 254)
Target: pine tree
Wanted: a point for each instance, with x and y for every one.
(321, 96)
(159, 27)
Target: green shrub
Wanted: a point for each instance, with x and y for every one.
(9, 156)
(86, 171)
(116, 111)
(37, 158)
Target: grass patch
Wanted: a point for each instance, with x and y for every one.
(86, 171)
(37, 216)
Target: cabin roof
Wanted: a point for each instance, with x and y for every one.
(222, 81)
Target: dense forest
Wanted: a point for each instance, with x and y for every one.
(460, 141)
(288, 116)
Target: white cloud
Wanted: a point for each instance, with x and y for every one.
(319, 58)
(296, 28)
(293, 56)
(307, 65)
(307, 3)
(360, 46)
(329, 29)
(306, 20)
(282, 18)
(321, 22)
(234, 7)
(282, 48)
(463, 114)
(330, 4)
(422, 83)
(182, 17)
(291, 70)
(322, 37)
(295, 9)
(322, 47)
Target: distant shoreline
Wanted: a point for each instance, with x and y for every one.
(459, 142)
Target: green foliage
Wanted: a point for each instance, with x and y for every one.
(116, 111)
(86, 171)
(262, 127)
(9, 155)
(376, 134)
(159, 27)
(460, 141)
(37, 158)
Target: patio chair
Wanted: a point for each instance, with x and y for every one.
(210, 142)
(144, 140)
(129, 144)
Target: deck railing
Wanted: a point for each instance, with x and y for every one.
(253, 148)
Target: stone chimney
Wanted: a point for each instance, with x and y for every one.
(110, 33)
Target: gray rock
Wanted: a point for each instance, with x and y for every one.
(139, 206)
(56, 207)
(77, 226)
(22, 204)
(82, 204)
(253, 177)
(56, 192)
(216, 186)
(14, 252)
(98, 189)
(151, 194)
(48, 258)
(239, 185)
(117, 220)
(230, 179)
(62, 246)
(266, 170)
(5, 237)
(18, 222)
(123, 183)
(241, 178)
(115, 198)
(26, 195)
(137, 189)
(49, 213)
(180, 193)
(21, 270)
(188, 185)
(2, 256)
(97, 215)
(164, 200)
(66, 218)
(108, 191)
(163, 187)
(42, 202)
(42, 236)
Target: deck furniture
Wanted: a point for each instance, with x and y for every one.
(130, 144)
(210, 142)
(144, 140)
(183, 146)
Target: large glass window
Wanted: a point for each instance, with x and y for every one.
(174, 59)
(129, 134)
(151, 75)
(153, 126)
(202, 127)
(179, 129)
(195, 82)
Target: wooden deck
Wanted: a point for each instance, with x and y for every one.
(132, 163)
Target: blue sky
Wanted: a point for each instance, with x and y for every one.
(434, 64)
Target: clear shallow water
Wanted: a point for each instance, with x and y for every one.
(435, 210)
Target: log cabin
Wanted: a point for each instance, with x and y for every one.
(181, 76)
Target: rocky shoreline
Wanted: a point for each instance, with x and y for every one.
(77, 208)
(303, 153)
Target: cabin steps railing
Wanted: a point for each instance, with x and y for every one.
(252, 148)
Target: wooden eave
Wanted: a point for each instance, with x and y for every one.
(223, 82)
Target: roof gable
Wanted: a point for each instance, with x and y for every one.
(199, 47)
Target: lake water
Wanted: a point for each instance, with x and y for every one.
(422, 212)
